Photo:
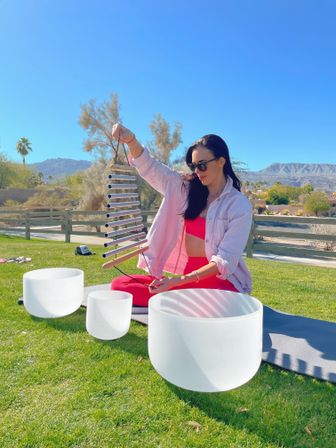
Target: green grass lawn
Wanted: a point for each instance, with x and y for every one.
(60, 387)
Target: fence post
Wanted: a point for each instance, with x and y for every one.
(249, 245)
(67, 225)
(27, 225)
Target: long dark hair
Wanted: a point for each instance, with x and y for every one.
(198, 193)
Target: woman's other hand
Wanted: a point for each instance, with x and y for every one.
(163, 284)
(121, 134)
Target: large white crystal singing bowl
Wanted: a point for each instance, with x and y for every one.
(205, 340)
(108, 314)
(53, 292)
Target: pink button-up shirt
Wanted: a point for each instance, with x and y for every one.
(228, 223)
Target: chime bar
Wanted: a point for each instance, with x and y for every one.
(126, 168)
(122, 195)
(127, 232)
(121, 249)
(118, 260)
(122, 186)
(123, 231)
(131, 237)
(123, 222)
(136, 211)
(121, 177)
(122, 204)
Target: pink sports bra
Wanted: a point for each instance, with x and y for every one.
(196, 227)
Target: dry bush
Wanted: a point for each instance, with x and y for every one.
(95, 189)
(10, 204)
(48, 197)
(324, 229)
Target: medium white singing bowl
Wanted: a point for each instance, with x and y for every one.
(108, 314)
(205, 340)
(53, 292)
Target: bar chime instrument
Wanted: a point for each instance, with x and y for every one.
(125, 226)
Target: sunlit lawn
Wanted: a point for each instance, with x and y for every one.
(60, 387)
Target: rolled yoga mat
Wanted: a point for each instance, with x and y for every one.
(296, 343)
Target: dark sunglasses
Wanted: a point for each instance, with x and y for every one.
(202, 166)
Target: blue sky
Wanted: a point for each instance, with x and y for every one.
(262, 74)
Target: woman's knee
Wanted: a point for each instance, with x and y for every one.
(119, 283)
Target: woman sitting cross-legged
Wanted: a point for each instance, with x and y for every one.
(201, 228)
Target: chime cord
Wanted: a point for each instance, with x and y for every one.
(123, 149)
(133, 278)
(118, 269)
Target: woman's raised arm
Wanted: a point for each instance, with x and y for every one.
(156, 173)
(123, 135)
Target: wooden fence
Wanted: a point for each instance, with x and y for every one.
(268, 233)
(59, 222)
(287, 228)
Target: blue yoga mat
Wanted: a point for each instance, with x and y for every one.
(300, 344)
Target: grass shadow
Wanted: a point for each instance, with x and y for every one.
(235, 408)
(7, 236)
(73, 323)
(130, 343)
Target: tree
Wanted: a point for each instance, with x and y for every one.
(74, 183)
(23, 177)
(316, 203)
(307, 188)
(240, 167)
(34, 179)
(277, 194)
(98, 120)
(6, 172)
(259, 184)
(23, 147)
(293, 193)
(16, 175)
(164, 143)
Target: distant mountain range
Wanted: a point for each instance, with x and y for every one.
(300, 169)
(321, 175)
(59, 167)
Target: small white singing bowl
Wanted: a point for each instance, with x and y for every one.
(205, 340)
(53, 292)
(108, 314)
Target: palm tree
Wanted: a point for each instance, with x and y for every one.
(23, 146)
